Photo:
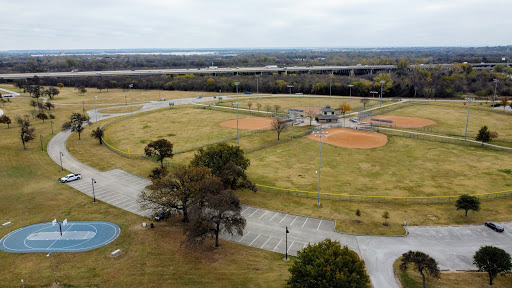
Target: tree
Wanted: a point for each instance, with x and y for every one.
(33, 103)
(179, 189)
(268, 108)
(98, 134)
(219, 211)
(278, 126)
(276, 108)
(344, 107)
(81, 90)
(5, 120)
(42, 116)
(27, 133)
(76, 123)
(258, 105)
(160, 149)
(358, 214)
(49, 105)
(249, 104)
(467, 202)
(365, 101)
(326, 264)
(226, 162)
(492, 260)
(422, 262)
(60, 85)
(385, 216)
(504, 102)
(310, 114)
(51, 92)
(484, 135)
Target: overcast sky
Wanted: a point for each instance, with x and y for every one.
(71, 24)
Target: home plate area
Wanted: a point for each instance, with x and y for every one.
(75, 237)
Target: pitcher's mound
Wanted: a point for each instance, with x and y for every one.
(405, 122)
(350, 138)
(254, 123)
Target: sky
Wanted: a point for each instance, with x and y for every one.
(118, 24)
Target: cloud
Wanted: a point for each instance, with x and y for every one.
(57, 24)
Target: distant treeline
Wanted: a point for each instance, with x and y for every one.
(404, 82)
(15, 63)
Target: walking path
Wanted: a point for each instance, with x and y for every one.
(452, 247)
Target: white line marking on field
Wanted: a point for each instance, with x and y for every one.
(254, 239)
(254, 212)
(305, 222)
(283, 218)
(273, 217)
(263, 214)
(294, 220)
(319, 224)
(244, 237)
(265, 243)
(290, 247)
(278, 244)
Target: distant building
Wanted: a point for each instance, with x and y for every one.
(327, 115)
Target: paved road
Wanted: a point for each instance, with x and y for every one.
(452, 247)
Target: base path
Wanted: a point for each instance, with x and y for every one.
(452, 247)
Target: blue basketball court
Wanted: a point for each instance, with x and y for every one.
(76, 237)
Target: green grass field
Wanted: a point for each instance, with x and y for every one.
(412, 279)
(152, 258)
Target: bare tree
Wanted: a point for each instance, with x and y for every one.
(249, 104)
(310, 114)
(27, 133)
(365, 101)
(258, 105)
(268, 108)
(276, 108)
(279, 126)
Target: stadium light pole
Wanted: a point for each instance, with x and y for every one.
(96, 111)
(60, 156)
(381, 85)
(237, 104)
(290, 102)
(51, 122)
(131, 100)
(321, 135)
(54, 272)
(93, 195)
(258, 84)
(467, 119)
(495, 86)
(41, 138)
(350, 86)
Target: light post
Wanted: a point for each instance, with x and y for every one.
(290, 102)
(54, 272)
(41, 138)
(93, 195)
(467, 119)
(350, 86)
(381, 85)
(60, 155)
(373, 93)
(321, 135)
(258, 84)
(22, 283)
(51, 122)
(286, 253)
(495, 86)
(237, 104)
(96, 111)
(83, 107)
(131, 100)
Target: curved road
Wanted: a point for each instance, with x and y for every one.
(452, 246)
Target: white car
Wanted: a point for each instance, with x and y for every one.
(70, 177)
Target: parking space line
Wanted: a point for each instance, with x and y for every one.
(283, 218)
(305, 222)
(265, 243)
(290, 247)
(245, 210)
(254, 212)
(254, 239)
(304, 245)
(319, 224)
(294, 220)
(278, 244)
(263, 214)
(273, 217)
(244, 237)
